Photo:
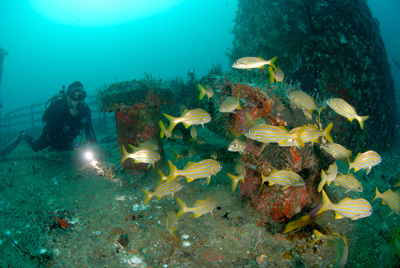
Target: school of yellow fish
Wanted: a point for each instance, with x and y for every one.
(264, 133)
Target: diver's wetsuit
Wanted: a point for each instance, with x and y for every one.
(62, 127)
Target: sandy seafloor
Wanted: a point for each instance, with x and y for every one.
(38, 187)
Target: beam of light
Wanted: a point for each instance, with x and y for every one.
(100, 13)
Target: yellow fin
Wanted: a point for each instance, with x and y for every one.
(338, 216)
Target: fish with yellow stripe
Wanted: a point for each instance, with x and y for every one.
(171, 222)
(249, 63)
(241, 170)
(304, 101)
(144, 145)
(390, 198)
(189, 117)
(341, 107)
(339, 242)
(203, 169)
(229, 105)
(163, 190)
(310, 134)
(199, 208)
(347, 208)
(205, 91)
(148, 156)
(350, 183)
(366, 161)
(337, 151)
(238, 145)
(329, 176)
(284, 177)
(164, 130)
(267, 134)
(276, 75)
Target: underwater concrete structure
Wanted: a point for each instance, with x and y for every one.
(334, 49)
(136, 105)
(326, 49)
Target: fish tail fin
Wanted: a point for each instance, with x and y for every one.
(234, 181)
(303, 221)
(319, 113)
(182, 207)
(348, 172)
(171, 122)
(202, 91)
(176, 156)
(318, 236)
(172, 172)
(148, 196)
(299, 134)
(272, 62)
(325, 202)
(125, 154)
(361, 120)
(172, 232)
(162, 176)
(162, 127)
(249, 119)
(271, 75)
(377, 194)
(327, 132)
(323, 179)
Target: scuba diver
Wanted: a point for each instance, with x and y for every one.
(64, 120)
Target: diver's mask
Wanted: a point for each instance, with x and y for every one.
(77, 94)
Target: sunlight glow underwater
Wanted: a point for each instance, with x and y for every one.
(100, 13)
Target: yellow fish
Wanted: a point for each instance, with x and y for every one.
(347, 208)
(276, 75)
(199, 208)
(203, 169)
(365, 161)
(172, 221)
(193, 132)
(350, 183)
(303, 221)
(189, 117)
(164, 130)
(208, 90)
(329, 176)
(341, 107)
(183, 154)
(148, 156)
(304, 101)
(267, 133)
(229, 105)
(144, 145)
(390, 198)
(339, 242)
(310, 134)
(253, 63)
(238, 145)
(283, 177)
(163, 190)
(337, 151)
(241, 170)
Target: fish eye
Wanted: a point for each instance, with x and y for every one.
(234, 146)
(248, 132)
(220, 165)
